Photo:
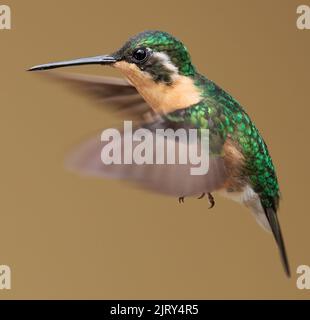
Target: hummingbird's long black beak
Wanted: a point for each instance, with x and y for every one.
(104, 60)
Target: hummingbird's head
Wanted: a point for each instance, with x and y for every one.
(158, 55)
(157, 64)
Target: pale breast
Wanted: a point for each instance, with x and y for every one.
(161, 97)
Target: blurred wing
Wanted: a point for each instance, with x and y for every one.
(116, 93)
(170, 179)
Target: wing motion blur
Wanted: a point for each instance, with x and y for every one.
(170, 179)
(122, 97)
(115, 94)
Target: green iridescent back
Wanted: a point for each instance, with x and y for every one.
(224, 116)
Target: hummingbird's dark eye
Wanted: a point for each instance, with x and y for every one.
(140, 54)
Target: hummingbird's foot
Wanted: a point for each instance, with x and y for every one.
(211, 200)
(202, 196)
(181, 199)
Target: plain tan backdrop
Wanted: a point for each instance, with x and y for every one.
(69, 237)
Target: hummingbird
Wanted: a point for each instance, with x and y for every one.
(161, 88)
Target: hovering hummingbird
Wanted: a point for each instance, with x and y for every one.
(164, 90)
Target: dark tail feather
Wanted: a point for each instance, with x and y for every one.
(276, 230)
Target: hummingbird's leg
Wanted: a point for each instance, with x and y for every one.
(211, 200)
(181, 199)
(202, 196)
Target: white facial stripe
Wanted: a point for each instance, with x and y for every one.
(165, 60)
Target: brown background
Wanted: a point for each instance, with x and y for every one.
(69, 237)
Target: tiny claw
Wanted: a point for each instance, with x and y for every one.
(181, 199)
(201, 196)
(211, 200)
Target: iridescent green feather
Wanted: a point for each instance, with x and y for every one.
(224, 116)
